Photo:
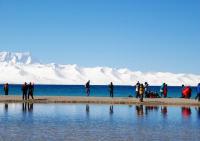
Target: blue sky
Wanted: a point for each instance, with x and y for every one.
(146, 35)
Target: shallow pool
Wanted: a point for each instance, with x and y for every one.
(80, 122)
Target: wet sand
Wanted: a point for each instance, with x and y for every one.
(102, 100)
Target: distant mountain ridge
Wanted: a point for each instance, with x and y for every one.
(10, 57)
(17, 68)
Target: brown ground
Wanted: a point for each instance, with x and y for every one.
(102, 100)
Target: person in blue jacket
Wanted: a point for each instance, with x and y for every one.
(198, 92)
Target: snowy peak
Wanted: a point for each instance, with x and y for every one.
(17, 68)
(15, 58)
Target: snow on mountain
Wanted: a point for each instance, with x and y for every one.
(17, 68)
(13, 58)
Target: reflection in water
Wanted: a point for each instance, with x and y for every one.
(164, 111)
(198, 112)
(27, 107)
(140, 110)
(151, 109)
(111, 110)
(30, 107)
(87, 109)
(186, 112)
(61, 122)
(6, 107)
(24, 107)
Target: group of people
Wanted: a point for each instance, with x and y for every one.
(187, 92)
(144, 89)
(140, 89)
(27, 90)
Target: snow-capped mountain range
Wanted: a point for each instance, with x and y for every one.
(17, 68)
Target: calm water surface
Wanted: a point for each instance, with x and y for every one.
(79, 122)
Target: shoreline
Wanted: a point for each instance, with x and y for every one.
(102, 100)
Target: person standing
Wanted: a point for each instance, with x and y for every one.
(137, 87)
(6, 89)
(141, 92)
(146, 89)
(198, 92)
(165, 91)
(87, 88)
(111, 90)
(187, 92)
(162, 89)
(30, 90)
(24, 91)
(182, 88)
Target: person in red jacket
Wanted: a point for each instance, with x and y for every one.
(187, 92)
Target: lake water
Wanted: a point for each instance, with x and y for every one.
(82, 122)
(78, 90)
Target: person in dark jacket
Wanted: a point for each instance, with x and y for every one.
(30, 90)
(6, 88)
(198, 92)
(165, 91)
(24, 91)
(146, 89)
(111, 89)
(87, 88)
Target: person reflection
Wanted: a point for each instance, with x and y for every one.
(111, 110)
(24, 107)
(30, 107)
(198, 111)
(164, 111)
(150, 109)
(186, 112)
(27, 107)
(6, 107)
(87, 109)
(139, 109)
